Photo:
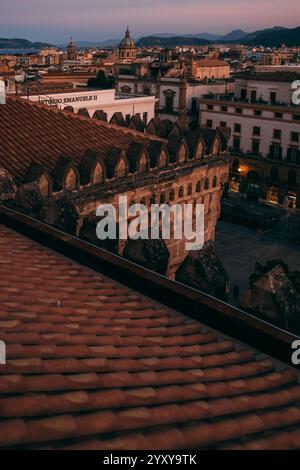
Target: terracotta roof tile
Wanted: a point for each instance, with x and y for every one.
(106, 368)
(69, 134)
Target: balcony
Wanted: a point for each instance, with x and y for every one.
(231, 98)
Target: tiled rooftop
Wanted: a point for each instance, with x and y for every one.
(34, 132)
(94, 365)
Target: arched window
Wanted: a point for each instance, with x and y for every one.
(206, 184)
(182, 154)
(143, 163)
(216, 147)
(98, 174)
(172, 195)
(152, 199)
(71, 180)
(190, 189)
(44, 186)
(200, 151)
(198, 187)
(181, 192)
(214, 182)
(162, 160)
(121, 169)
(162, 198)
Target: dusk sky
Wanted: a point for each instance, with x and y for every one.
(56, 20)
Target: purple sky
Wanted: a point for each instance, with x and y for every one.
(57, 20)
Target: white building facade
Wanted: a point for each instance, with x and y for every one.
(107, 101)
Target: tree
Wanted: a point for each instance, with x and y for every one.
(101, 81)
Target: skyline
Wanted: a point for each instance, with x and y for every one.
(55, 21)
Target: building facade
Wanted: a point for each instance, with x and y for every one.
(107, 101)
(265, 137)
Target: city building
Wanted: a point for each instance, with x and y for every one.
(108, 101)
(127, 49)
(177, 94)
(265, 136)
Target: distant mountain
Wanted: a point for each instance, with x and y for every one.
(252, 36)
(234, 35)
(17, 43)
(275, 37)
(151, 41)
(208, 36)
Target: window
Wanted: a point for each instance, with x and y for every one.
(190, 189)
(210, 107)
(238, 110)
(127, 119)
(223, 124)
(243, 94)
(121, 169)
(224, 109)
(143, 163)
(194, 106)
(169, 103)
(276, 134)
(214, 182)
(198, 187)
(273, 195)
(206, 184)
(71, 180)
(296, 117)
(276, 152)
(162, 198)
(273, 97)
(278, 115)
(295, 136)
(172, 195)
(293, 155)
(255, 147)
(253, 95)
(98, 174)
(209, 123)
(237, 144)
(256, 131)
(44, 186)
(237, 128)
(181, 192)
(162, 160)
(257, 112)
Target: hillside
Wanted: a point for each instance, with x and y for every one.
(275, 37)
(17, 43)
(175, 41)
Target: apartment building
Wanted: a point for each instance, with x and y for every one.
(265, 136)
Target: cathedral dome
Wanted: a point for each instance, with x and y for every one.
(127, 42)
